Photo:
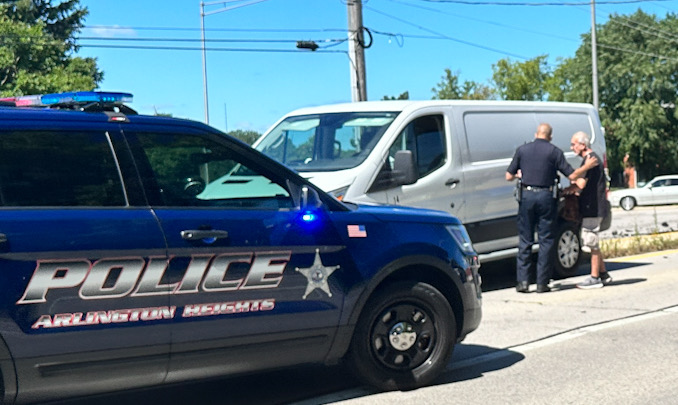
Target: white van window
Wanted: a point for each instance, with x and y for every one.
(325, 142)
(425, 137)
(496, 135)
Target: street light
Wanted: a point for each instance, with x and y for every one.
(203, 14)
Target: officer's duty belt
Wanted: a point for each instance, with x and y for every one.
(533, 188)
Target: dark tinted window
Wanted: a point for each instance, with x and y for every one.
(425, 137)
(191, 170)
(493, 135)
(58, 169)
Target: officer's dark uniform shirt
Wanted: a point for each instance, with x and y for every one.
(592, 196)
(539, 161)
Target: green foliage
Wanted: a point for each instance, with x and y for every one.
(246, 136)
(521, 80)
(638, 87)
(36, 43)
(449, 89)
(402, 96)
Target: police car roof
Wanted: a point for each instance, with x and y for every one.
(34, 115)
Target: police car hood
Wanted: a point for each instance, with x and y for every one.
(407, 214)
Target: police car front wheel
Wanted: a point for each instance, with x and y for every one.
(404, 338)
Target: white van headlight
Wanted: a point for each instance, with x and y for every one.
(460, 236)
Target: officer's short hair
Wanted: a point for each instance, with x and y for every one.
(583, 138)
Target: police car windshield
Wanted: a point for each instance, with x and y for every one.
(325, 142)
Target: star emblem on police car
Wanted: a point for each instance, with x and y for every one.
(317, 275)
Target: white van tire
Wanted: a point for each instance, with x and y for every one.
(567, 249)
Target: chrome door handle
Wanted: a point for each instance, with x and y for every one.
(452, 183)
(199, 234)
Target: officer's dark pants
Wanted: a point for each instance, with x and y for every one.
(538, 210)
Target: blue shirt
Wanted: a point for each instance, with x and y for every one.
(539, 162)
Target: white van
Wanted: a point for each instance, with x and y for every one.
(458, 153)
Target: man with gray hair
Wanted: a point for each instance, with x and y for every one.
(591, 190)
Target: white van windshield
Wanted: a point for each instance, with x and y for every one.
(325, 142)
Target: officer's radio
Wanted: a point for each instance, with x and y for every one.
(518, 193)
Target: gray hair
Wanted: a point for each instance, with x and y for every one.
(583, 138)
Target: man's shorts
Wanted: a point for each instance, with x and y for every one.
(589, 233)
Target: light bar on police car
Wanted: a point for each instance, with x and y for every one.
(79, 97)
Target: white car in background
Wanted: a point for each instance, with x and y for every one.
(660, 190)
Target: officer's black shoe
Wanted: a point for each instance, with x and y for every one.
(523, 287)
(543, 288)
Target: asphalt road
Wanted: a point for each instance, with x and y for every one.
(615, 345)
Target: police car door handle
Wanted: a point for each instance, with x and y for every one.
(452, 183)
(4, 242)
(203, 234)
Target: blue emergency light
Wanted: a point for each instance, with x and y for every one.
(77, 97)
(86, 97)
(308, 217)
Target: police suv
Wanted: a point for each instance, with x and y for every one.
(139, 250)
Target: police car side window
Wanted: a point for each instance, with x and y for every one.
(191, 170)
(58, 169)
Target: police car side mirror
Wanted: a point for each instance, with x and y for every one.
(404, 169)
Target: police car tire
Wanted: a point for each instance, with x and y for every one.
(375, 360)
(567, 250)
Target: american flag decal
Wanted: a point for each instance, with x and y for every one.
(356, 231)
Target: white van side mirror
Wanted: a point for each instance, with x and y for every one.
(404, 172)
(404, 169)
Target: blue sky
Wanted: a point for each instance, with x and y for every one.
(151, 48)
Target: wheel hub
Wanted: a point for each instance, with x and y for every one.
(402, 336)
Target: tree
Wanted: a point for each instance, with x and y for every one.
(246, 136)
(36, 48)
(521, 80)
(449, 89)
(402, 96)
(638, 89)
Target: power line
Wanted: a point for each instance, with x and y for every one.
(136, 39)
(537, 4)
(653, 55)
(649, 29)
(438, 11)
(443, 36)
(179, 48)
(263, 30)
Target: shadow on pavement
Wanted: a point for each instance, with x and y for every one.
(559, 286)
(491, 359)
(501, 274)
(271, 388)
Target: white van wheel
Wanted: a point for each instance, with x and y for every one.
(567, 249)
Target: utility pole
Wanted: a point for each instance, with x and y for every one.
(594, 54)
(204, 62)
(356, 50)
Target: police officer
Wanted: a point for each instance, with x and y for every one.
(537, 164)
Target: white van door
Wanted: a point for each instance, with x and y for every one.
(440, 181)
